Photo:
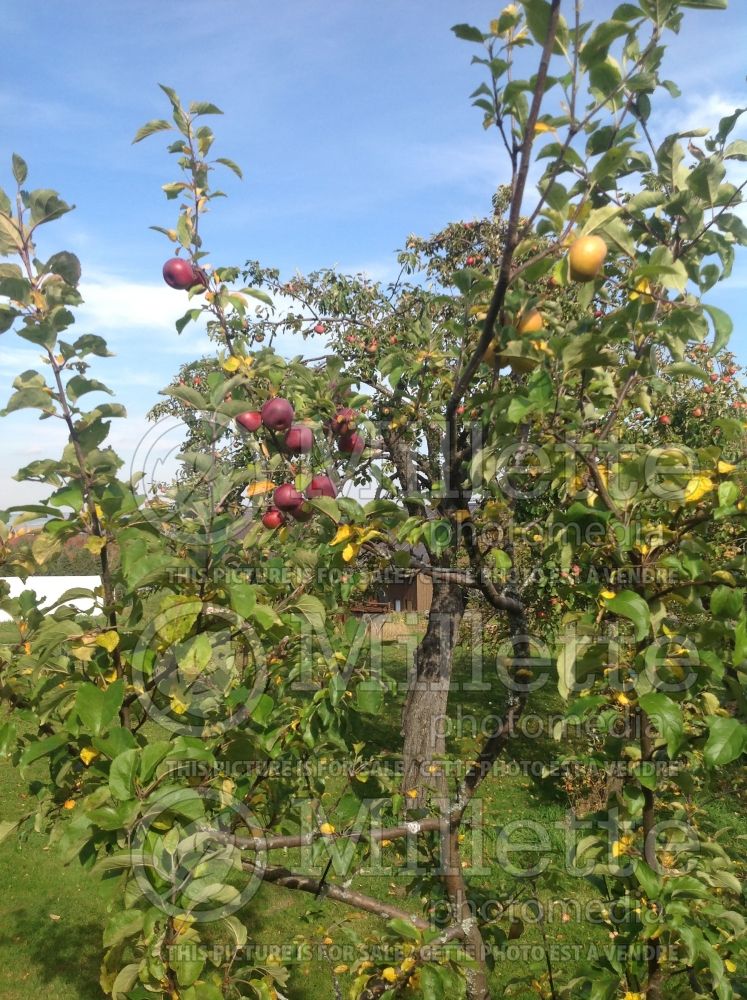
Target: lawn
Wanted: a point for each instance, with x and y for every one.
(52, 915)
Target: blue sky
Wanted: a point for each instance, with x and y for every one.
(352, 123)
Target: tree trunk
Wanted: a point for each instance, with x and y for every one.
(424, 714)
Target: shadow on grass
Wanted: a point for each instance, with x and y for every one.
(67, 952)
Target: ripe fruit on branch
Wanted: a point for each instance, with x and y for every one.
(530, 322)
(277, 414)
(698, 411)
(351, 443)
(586, 256)
(471, 261)
(665, 419)
(344, 420)
(299, 440)
(273, 518)
(319, 328)
(181, 274)
(250, 421)
(321, 486)
(708, 389)
(303, 513)
(287, 497)
(714, 377)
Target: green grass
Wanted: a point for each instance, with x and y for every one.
(52, 916)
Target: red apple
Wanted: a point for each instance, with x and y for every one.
(351, 443)
(698, 411)
(665, 419)
(708, 389)
(319, 328)
(179, 273)
(321, 486)
(344, 420)
(287, 497)
(250, 421)
(714, 377)
(471, 261)
(277, 414)
(273, 518)
(299, 440)
(302, 513)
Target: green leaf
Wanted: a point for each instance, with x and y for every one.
(150, 128)
(666, 715)
(468, 33)
(97, 709)
(78, 386)
(35, 399)
(404, 928)
(40, 748)
(736, 150)
(231, 166)
(122, 775)
(726, 602)
(20, 170)
(430, 983)
(204, 108)
(722, 325)
(727, 740)
(705, 4)
(705, 179)
(369, 698)
(91, 343)
(46, 206)
(186, 394)
(632, 606)
(123, 925)
(126, 979)
(65, 264)
(8, 738)
(242, 597)
(310, 608)
(648, 880)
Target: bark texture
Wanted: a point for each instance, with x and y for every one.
(424, 717)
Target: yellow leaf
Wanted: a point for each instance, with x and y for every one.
(607, 594)
(178, 707)
(326, 829)
(87, 755)
(697, 488)
(407, 964)
(264, 486)
(543, 127)
(231, 364)
(729, 965)
(412, 793)
(724, 468)
(109, 640)
(95, 544)
(344, 532)
(350, 552)
(389, 974)
(642, 291)
(69, 804)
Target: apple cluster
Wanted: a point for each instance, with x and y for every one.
(278, 415)
(183, 274)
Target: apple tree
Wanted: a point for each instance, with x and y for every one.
(504, 391)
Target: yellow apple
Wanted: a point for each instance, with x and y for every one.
(530, 322)
(586, 256)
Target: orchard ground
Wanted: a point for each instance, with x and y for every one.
(52, 914)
